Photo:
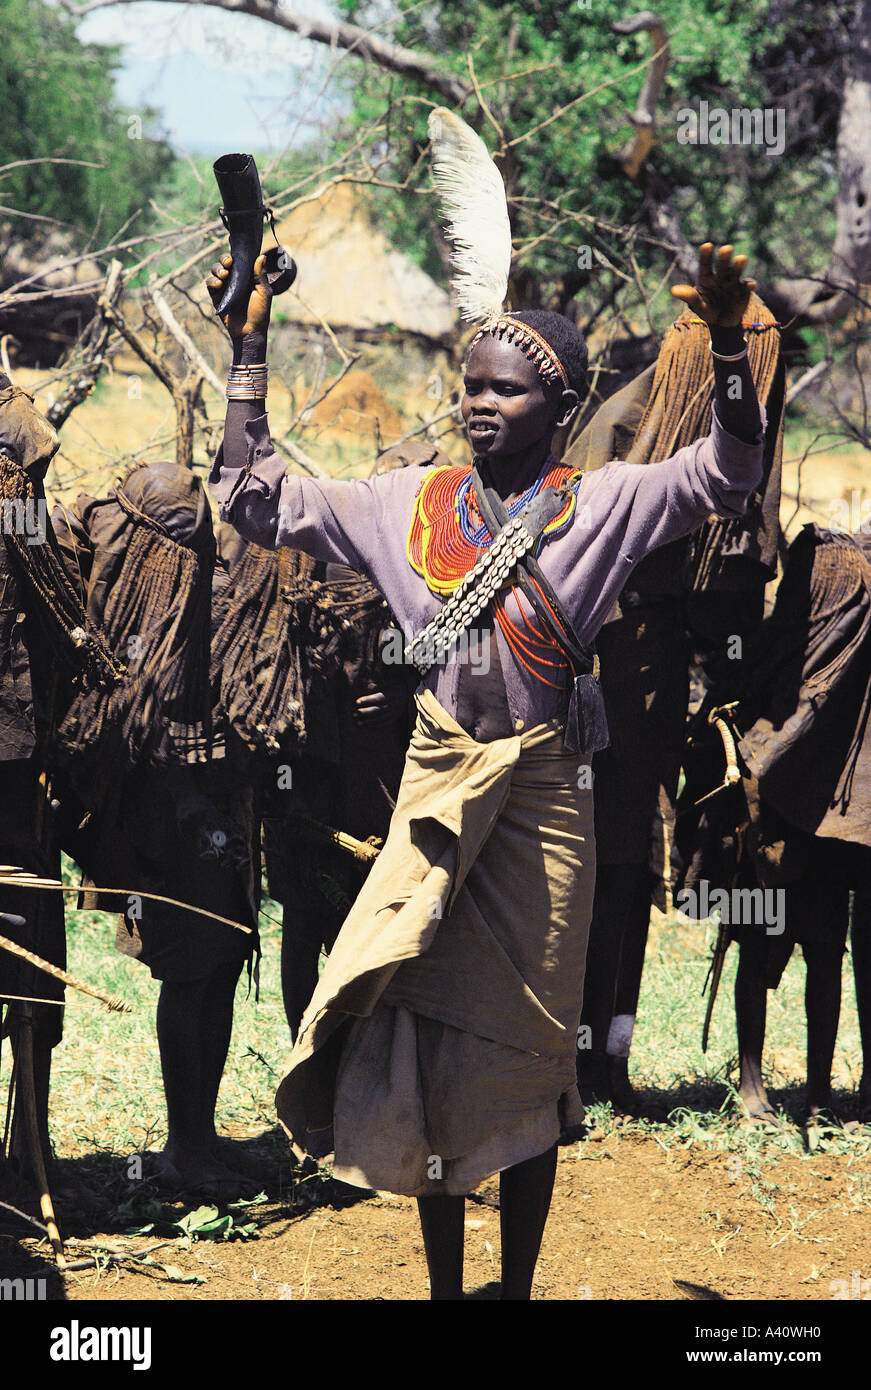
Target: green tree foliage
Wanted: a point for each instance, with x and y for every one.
(58, 101)
(534, 58)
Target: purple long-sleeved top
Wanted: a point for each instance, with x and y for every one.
(623, 512)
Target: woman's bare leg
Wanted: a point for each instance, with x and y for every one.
(525, 1192)
(441, 1221)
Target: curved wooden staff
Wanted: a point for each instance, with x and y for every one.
(365, 851)
(19, 878)
(15, 877)
(23, 1078)
(717, 718)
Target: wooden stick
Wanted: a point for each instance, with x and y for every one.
(195, 357)
(363, 850)
(21, 879)
(806, 379)
(30, 999)
(24, 1217)
(716, 718)
(116, 1257)
(24, 1036)
(733, 772)
(718, 958)
(186, 342)
(113, 1003)
(93, 360)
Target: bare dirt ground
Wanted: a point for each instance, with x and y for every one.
(630, 1216)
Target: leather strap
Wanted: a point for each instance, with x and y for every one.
(548, 608)
(509, 543)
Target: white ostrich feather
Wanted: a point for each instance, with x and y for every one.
(476, 216)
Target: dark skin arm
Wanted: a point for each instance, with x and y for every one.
(248, 334)
(720, 297)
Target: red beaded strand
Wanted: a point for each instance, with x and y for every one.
(439, 550)
(437, 547)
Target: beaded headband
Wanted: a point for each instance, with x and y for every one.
(531, 344)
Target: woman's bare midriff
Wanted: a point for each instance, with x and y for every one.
(482, 705)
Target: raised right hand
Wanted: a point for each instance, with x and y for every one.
(256, 316)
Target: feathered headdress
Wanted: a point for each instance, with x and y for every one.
(476, 217)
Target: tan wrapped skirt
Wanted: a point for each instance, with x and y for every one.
(439, 1046)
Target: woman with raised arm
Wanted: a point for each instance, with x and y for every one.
(439, 1045)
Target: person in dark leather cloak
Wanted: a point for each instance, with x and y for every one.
(165, 804)
(47, 648)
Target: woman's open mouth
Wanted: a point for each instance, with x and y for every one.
(482, 431)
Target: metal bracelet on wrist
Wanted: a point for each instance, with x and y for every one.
(729, 357)
(247, 383)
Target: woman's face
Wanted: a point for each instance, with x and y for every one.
(507, 407)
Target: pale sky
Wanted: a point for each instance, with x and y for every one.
(222, 81)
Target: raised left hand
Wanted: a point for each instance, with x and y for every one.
(720, 296)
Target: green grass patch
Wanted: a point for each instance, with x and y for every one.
(696, 1091)
(107, 1093)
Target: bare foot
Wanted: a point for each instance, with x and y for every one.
(822, 1114)
(594, 1083)
(624, 1097)
(199, 1172)
(70, 1191)
(231, 1153)
(757, 1106)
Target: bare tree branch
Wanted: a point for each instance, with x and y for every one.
(576, 101)
(195, 357)
(47, 159)
(644, 117)
(337, 34)
(93, 358)
(634, 157)
(185, 391)
(4, 356)
(185, 341)
(807, 379)
(850, 261)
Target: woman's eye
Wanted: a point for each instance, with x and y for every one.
(473, 387)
